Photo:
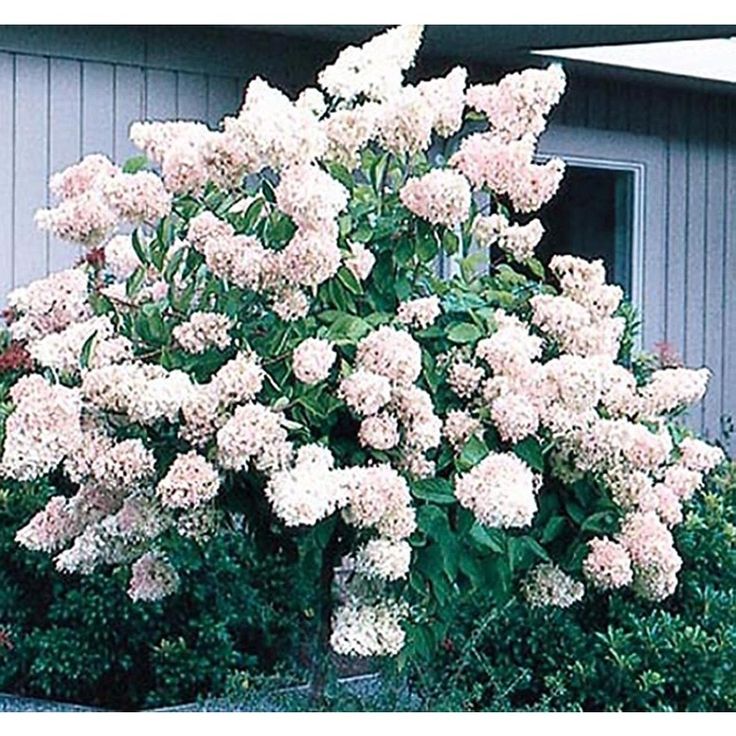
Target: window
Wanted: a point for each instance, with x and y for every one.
(591, 216)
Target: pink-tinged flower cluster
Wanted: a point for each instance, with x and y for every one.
(446, 97)
(115, 539)
(145, 393)
(291, 304)
(580, 319)
(81, 177)
(120, 257)
(672, 388)
(126, 465)
(384, 559)
(152, 578)
(201, 415)
(515, 416)
(253, 436)
(139, 197)
(441, 197)
(375, 69)
(419, 313)
(365, 392)
(86, 219)
(274, 131)
(189, 482)
(500, 490)
(547, 585)
(379, 431)
(459, 426)
(422, 427)
(388, 361)
(391, 353)
(202, 331)
(348, 131)
(237, 381)
(313, 359)
(107, 471)
(607, 565)
(508, 169)
(237, 259)
(518, 105)
(207, 226)
(464, 378)
(511, 348)
(313, 100)
(308, 490)
(43, 428)
(310, 196)
(311, 257)
(368, 630)
(519, 241)
(404, 123)
(379, 498)
(95, 196)
(700, 456)
(654, 558)
(50, 304)
(62, 351)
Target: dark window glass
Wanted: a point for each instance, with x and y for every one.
(591, 217)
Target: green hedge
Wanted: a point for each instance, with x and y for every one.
(81, 639)
(612, 652)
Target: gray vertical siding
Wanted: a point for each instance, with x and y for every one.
(55, 110)
(696, 283)
(69, 91)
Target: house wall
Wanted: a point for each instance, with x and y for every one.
(693, 262)
(66, 92)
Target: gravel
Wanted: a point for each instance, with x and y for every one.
(363, 692)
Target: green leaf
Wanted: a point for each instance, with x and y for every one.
(268, 191)
(473, 452)
(135, 281)
(173, 265)
(339, 172)
(492, 539)
(437, 490)
(470, 265)
(135, 164)
(602, 522)
(86, 352)
(347, 328)
(536, 267)
(378, 170)
(427, 248)
(252, 214)
(553, 528)
(138, 248)
(530, 451)
(349, 281)
(463, 332)
(450, 242)
(523, 551)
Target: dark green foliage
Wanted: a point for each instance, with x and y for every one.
(80, 639)
(608, 652)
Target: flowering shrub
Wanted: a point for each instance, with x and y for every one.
(272, 347)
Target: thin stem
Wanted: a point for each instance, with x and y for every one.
(320, 669)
